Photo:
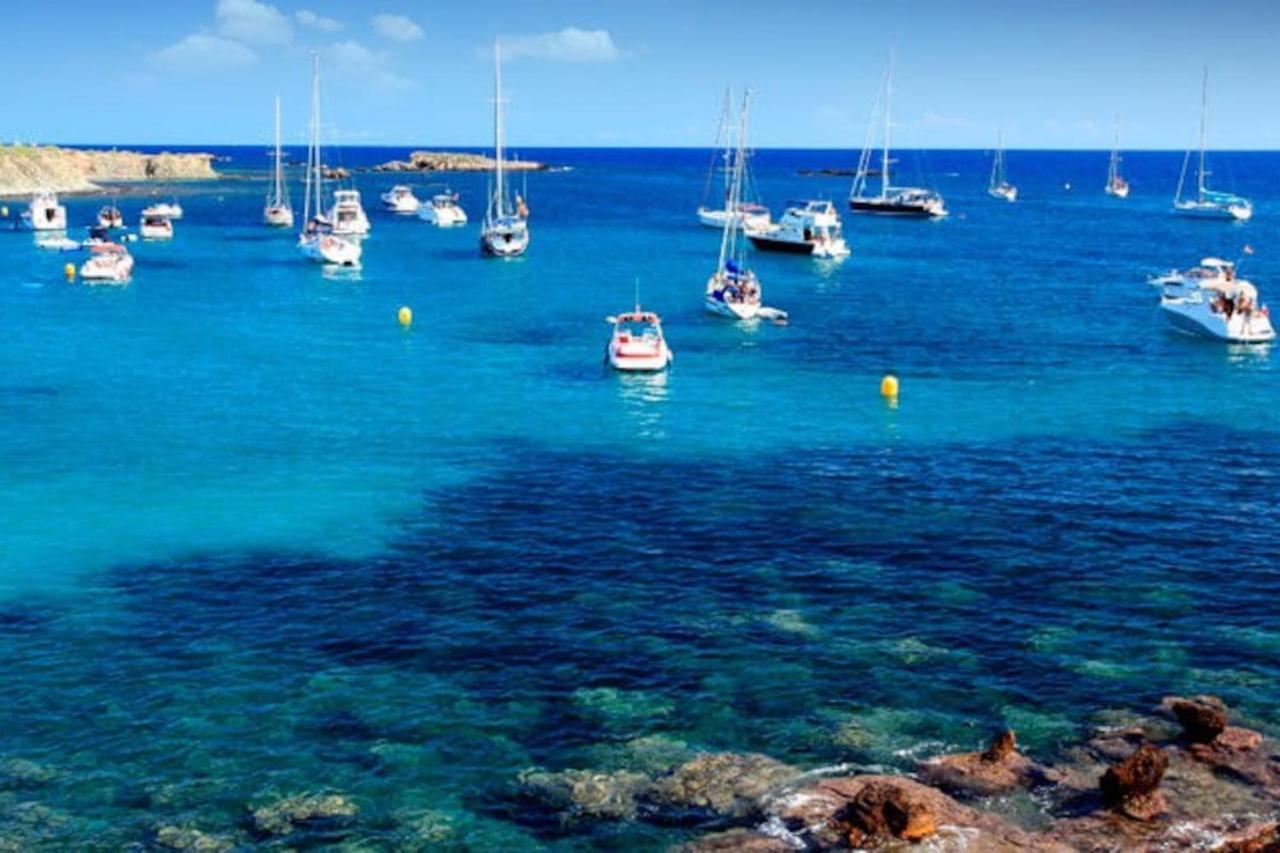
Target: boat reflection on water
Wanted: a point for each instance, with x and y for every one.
(339, 272)
(642, 396)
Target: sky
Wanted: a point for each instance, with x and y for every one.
(418, 73)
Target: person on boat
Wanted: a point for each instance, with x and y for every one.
(522, 209)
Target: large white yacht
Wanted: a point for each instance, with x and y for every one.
(347, 214)
(400, 199)
(806, 228)
(443, 210)
(1209, 300)
(44, 213)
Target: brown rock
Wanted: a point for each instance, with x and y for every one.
(1004, 746)
(998, 769)
(1261, 838)
(1130, 787)
(885, 810)
(1236, 739)
(1202, 717)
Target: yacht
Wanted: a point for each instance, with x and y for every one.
(318, 241)
(999, 186)
(807, 228)
(110, 263)
(750, 214)
(170, 209)
(443, 210)
(347, 214)
(44, 213)
(400, 199)
(505, 233)
(1211, 301)
(1116, 185)
(109, 217)
(156, 224)
(277, 211)
(637, 343)
(1207, 203)
(891, 200)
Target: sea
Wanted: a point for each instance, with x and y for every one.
(259, 539)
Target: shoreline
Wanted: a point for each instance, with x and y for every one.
(26, 169)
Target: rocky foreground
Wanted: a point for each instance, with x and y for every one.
(27, 168)
(450, 161)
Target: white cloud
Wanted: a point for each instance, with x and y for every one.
(354, 60)
(252, 21)
(199, 52)
(567, 45)
(396, 27)
(307, 18)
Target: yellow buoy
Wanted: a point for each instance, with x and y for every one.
(406, 316)
(4, 211)
(889, 386)
(69, 271)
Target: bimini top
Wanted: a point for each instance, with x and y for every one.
(636, 317)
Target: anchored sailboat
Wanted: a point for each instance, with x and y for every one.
(277, 211)
(1116, 185)
(999, 186)
(753, 216)
(317, 240)
(505, 233)
(897, 201)
(1207, 203)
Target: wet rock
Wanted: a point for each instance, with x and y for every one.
(21, 773)
(736, 841)
(997, 769)
(586, 793)
(190, 838)
(1202, 717)
(304, 811)
(1131, 787)
(1260, 838)
(716, 786)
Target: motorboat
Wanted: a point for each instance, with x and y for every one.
(347, 214)
(637, 343)
(168, 209)
(60, 243)
(1117, 186)
(1207, 203)
(318, 240)
(277, 212)
(109, 216)
(999, 186)
(109, 263)
(443, 210)
(505, 233)
(155, 223)
(806, 228)
(99, 235)
(750, 214)
(400, 199)
(891, 200)
(1211, 301)
(44, 213)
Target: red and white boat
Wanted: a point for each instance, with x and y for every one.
(109, 263)
(637, 343)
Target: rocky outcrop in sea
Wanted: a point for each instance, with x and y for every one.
(27, 168)
(452, 161)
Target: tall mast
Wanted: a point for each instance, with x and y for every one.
(884, 154)
(279, 188)
(729, 238)
(499, 189)
(1204, 108)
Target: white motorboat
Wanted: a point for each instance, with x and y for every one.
(505, 233)
(1116, 185)
(637, 343)
(752, 215)
(277, 212)
(168, 209)
(443, 210)
(155, 224)
(1207, 203)
(109, 216)
(891, 200)
(999, 186)
(1211, 301)
(318, 240)
(109, 263)
(347, 214)
(44, 213)
(400, 199)
(807, 228)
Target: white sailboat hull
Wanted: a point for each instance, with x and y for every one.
(330, 249)
(1213, 210)
(277, 216)
(748, 219)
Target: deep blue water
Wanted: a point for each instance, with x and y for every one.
(262, 540)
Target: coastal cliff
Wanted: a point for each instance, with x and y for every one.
(450, 161)
(27, 168)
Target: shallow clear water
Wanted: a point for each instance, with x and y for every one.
(260, 539)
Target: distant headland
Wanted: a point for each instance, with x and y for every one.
(27, 168)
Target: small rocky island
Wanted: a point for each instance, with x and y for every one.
(453, 161)
(27, 168)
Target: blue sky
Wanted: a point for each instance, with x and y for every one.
(1053, 74)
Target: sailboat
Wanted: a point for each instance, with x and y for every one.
(277, 211)
(505, 233)
(1207, 203)
(754, 216)
(1116, 185)
(999, 186)
(897, 201)
(317, 240)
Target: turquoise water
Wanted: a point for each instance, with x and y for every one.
(260, 539)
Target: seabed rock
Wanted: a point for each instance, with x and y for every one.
(304, 811)
(172, 837)
(722, 786)
(586, 793)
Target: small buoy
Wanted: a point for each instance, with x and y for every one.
(69, 271)
(406, 316)
(1067, 186)
(4, 211)
(889, 387)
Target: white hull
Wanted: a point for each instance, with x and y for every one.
(748, 219)
(505, 241)
(277, 217)
(1121, 191)
(401, 202)
(330, 249)
(639, 364)
(156, 232)
(1210, 210)
(637, 344)
(349, 223)
(1007, 192)
(173, 210)
(1196, 317)
(726, 305)
(443, 217)
(107, 269)
(45, 214)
